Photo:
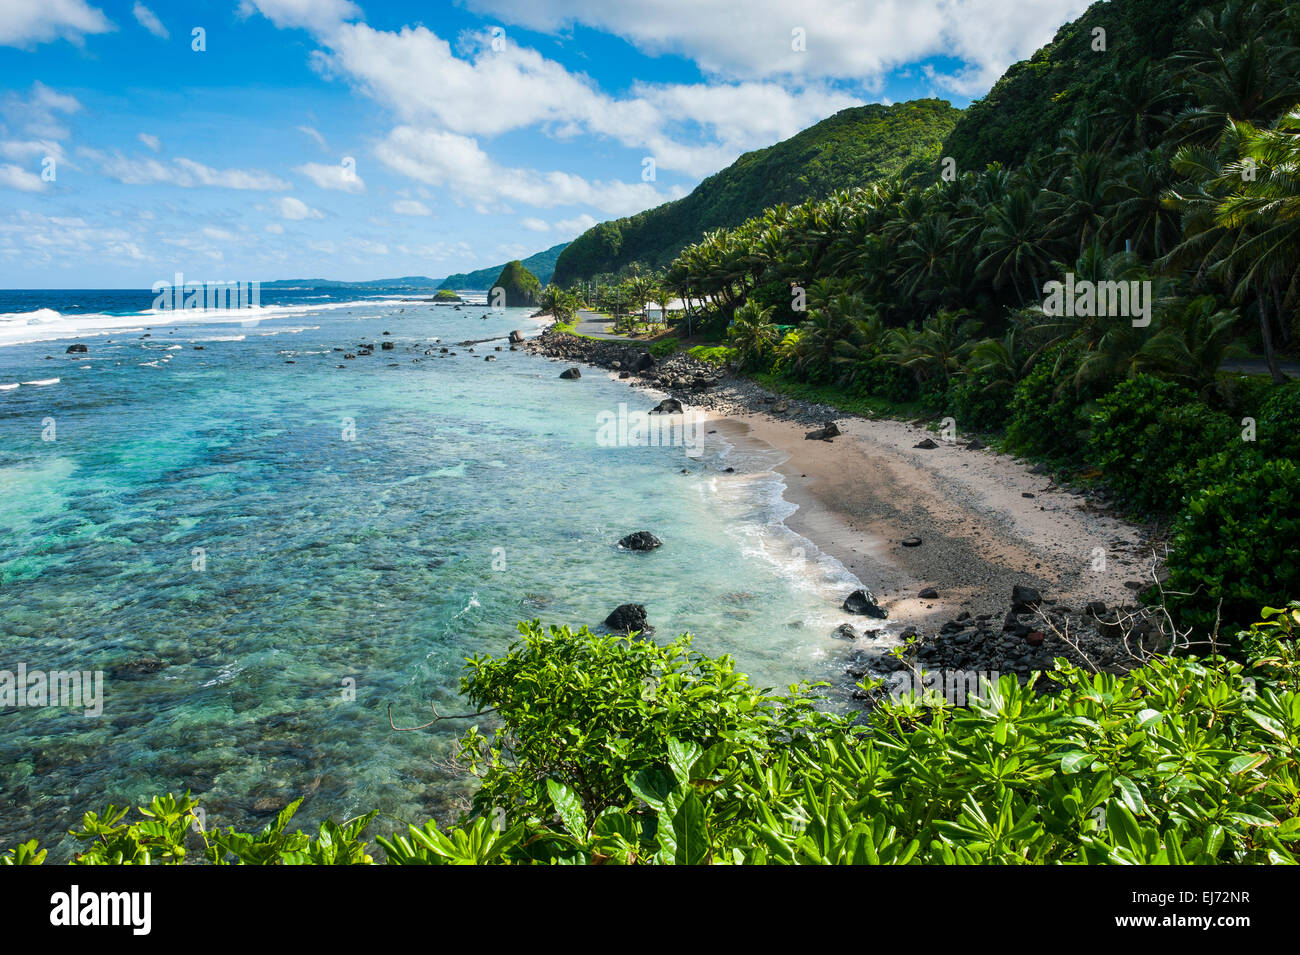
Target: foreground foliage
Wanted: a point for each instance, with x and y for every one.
(619, 751)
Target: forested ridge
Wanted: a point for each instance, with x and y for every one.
(854, 147)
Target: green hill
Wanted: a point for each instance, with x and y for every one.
(1036, 98)
(522, 287)
(854, 147)
(541, 264)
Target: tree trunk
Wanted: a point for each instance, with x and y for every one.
(1282, 324)
(1266, 333)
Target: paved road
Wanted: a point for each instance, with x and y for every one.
(1257, 366)
(595, 325)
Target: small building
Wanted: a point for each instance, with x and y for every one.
(651, 312)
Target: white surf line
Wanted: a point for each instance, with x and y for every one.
(43, 381)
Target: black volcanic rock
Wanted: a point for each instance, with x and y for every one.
(640, 540)
(667, 406)
(628, 618)
(864, 602)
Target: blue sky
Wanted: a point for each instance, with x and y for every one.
(331, 139)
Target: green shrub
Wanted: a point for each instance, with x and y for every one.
(884, 378)
(665, 347)
(1241, 396)
(612, 751)
(611, 706)
(1146, 433)
(713, 354)
(1278, 427)
(1191, 477)
(1235, 543)
(977, 404)
(933, 394)
(1048, 413)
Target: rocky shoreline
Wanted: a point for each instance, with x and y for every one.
(1025, 635)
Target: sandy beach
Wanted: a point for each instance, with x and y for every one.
(985, 520)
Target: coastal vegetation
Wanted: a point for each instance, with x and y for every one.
(854, 147)
(617, 751)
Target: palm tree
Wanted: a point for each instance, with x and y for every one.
(925, 258)
(1265, 212)
(1241, 218)
(1083, 201)
(1141, 216)
(752, 333)
(1238, 66)
(938, 348)
(1136, 107)
(1195, 337)
(822, 338)
(1003, 360)
(1012, 245)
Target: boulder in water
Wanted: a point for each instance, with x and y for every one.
(864, 602)
(629, 618)
(640, 540)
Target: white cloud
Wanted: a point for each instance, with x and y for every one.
(181, 172)
(575, 226)
(275, 228)
(15, 177)
(153, 142)
(411, 207)
(843, 39)
(60, 240)
(327, 176)
(314, 15)
(440, 158)
(31, 150)
(695, 128)
(314, 134)
(296, 209)
(24, 23)
(36, 114)
(147, 19)
(231, 178)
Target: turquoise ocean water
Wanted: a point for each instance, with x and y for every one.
(232, 540)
